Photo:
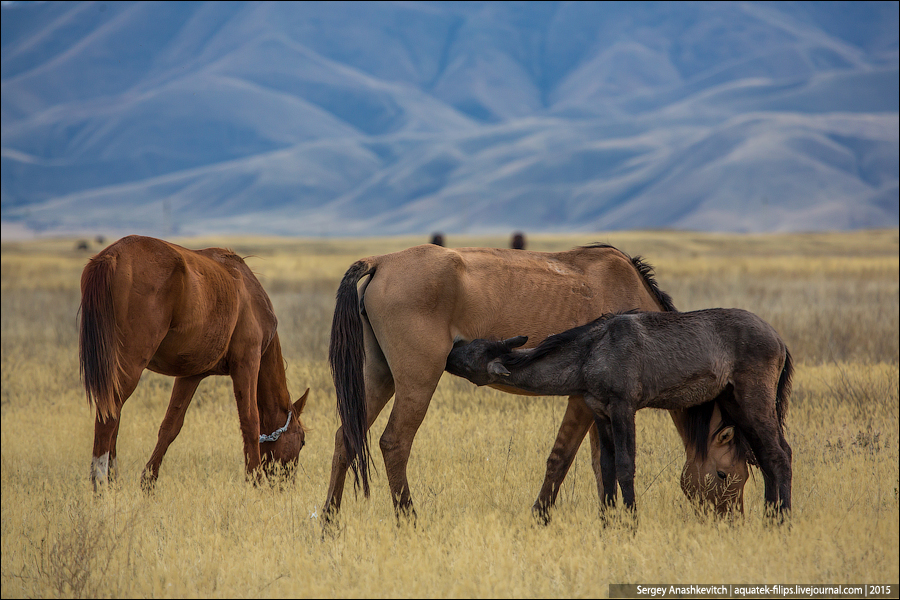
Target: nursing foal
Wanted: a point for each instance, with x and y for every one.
(625, 362)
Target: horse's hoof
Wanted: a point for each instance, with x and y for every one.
(541, 516)
(148, 482)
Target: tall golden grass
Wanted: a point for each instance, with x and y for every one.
(478, 459)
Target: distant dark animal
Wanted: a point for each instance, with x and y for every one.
(82, 245)
(518, 241)
(437, 239)
(622, 363)
(398, 315)
(149, 304)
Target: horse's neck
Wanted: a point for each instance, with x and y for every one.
(678, 417)
(272, 396)
(558, 374)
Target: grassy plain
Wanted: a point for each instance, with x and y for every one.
(478, 459)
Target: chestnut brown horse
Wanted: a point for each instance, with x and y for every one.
(391, 335)
(150, 304)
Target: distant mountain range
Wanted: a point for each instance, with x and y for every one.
(377, 118)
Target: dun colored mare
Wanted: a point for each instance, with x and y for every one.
(149, 304)
(398, 315)
(622, 363)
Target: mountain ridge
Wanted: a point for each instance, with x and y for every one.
(394, 118)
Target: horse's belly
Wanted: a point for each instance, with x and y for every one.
(180, 357)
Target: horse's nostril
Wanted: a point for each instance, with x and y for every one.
(720, 474)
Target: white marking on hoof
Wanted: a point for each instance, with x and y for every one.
(100, 471)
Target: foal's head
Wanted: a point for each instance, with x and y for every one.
(478, 361)
(717, 454)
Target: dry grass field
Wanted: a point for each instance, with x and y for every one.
(479, 457)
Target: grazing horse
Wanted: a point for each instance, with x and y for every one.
(622, 363)
(716, 458)
(149, 304)
(398, 315)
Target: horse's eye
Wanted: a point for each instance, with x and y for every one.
(720, 474)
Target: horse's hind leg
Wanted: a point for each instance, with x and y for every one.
(103, 441)
(377, 396)
(604, 461)
(113, 461)
(621, 420)
(104, 464)
(575, 424)
(410, 405)
(182, 393)
(415, 384)
(379, 384)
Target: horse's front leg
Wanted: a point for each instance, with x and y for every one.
(182, 394)
(575, 424)
(244, 378)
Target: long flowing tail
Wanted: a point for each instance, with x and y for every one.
(97, 345)
(346, 353)
(783, 393)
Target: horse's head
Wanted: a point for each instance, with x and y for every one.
(716, 478)
(477, 360)
(283, 446)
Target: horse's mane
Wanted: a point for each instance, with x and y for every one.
(555, 341)
(646, 272)
(696, 424)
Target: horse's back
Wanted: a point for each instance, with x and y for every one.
(470, 293)
(689, 357)
(183, 306)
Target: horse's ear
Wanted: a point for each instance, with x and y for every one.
(515, 342)
(726, 436)
(301, 402)
(495, 368)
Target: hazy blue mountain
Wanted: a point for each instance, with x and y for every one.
(409, 117)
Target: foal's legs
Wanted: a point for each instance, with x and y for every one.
(605, 462)
(182, 393)
(621, 424)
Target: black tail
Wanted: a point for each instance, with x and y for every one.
(346, 353)
(782, 396)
